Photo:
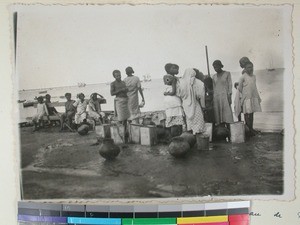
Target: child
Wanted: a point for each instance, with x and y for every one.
(41, 111)
(237, 103)
(250, 96)
(173, 108)
(81, 105)
(172, 69)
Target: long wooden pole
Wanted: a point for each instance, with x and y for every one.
(207, 62)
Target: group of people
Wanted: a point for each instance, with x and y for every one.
(126, 94)
(186, 98)
(190, 100)
(127, 105)
(76, 110)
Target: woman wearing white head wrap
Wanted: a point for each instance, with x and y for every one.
(191, 91)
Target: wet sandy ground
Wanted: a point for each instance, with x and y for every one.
(64, 165)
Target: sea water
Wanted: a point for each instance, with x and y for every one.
(269, 84)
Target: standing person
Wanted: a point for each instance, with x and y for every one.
(191, 91)
(42, 110)
(250, 96)
(95, 108)
(118, 88)
(173, 108)
(81, 105)
(133, 85)
(69, 113)
(222, 94)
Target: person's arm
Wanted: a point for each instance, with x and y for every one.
(259, 99)
(92, 105)
(140, 90)
(75, 104)
(100, 95)
(229, 83)
(66, 110)
(241, 81)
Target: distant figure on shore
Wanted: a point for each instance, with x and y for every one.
(95, 108)
(250, 96)
(41, 111)
(222, 94)
(51, 110)
(69, 113)
(118, 88)
(81, 105)
(237, 102)
(243, 62)
(133, 85)
(191, 92)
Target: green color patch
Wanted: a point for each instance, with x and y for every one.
(142, 221)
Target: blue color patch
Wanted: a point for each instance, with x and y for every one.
(96, 221)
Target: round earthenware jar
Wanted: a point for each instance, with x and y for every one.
(189, 138)
(108, 149)
(83, 129)
(178, 147)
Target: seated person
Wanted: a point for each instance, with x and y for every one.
(80, 104)
(51, 110)
(68, 115)
(95, 108)
(42, 110)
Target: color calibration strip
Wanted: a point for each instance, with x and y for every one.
(225, 213)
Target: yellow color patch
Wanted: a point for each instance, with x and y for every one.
(203, 219)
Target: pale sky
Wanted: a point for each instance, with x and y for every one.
(64, 45)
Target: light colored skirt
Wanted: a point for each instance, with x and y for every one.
(38, 117)
(222, 109)
(121, 108)
(251, 105)
(133, 106)
(174, 116)
(80, 117)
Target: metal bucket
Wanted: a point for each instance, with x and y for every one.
(202, 142)
(237, 132)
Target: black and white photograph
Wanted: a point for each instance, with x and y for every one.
(154, 101)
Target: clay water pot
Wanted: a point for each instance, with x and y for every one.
(178, 147)
(189, 138)
(108, 149)
(83, 129)
(221, 133)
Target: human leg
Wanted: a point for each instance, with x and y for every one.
(240, 117)
(62, 120)
(251, 115)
